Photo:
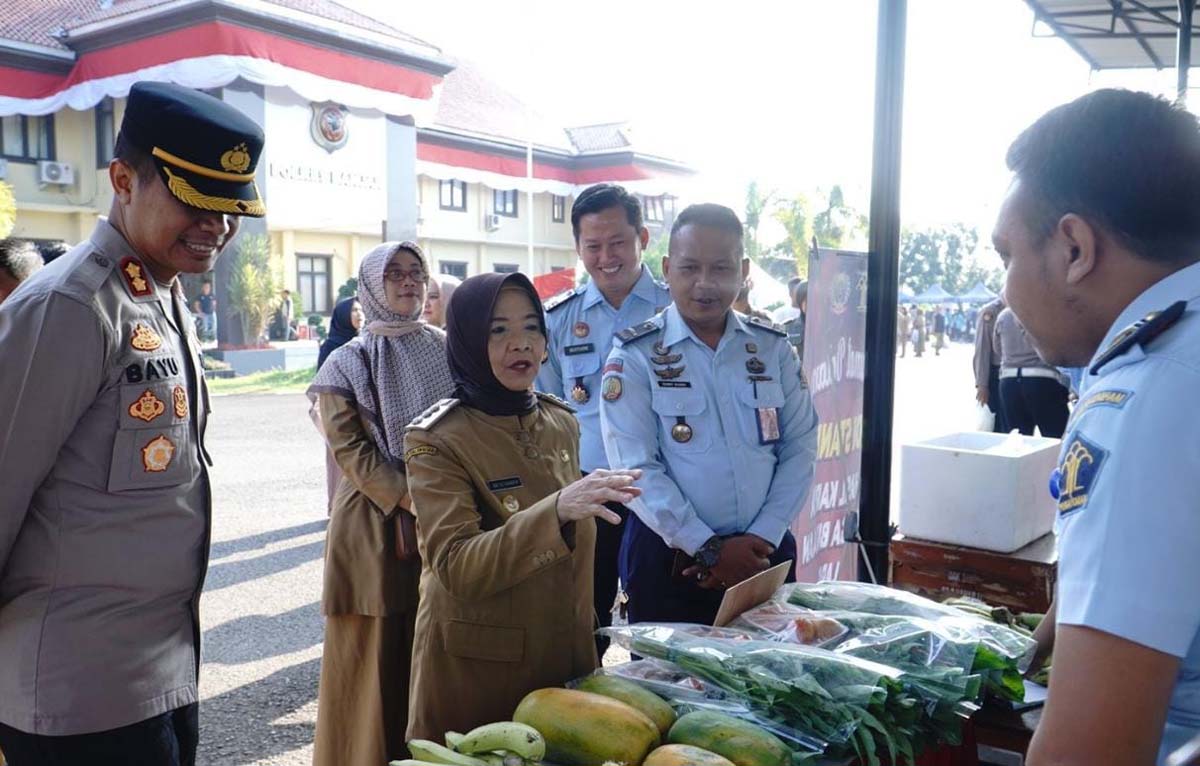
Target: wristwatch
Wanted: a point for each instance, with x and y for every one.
(708, 554)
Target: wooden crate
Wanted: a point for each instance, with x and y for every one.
(1022, 580)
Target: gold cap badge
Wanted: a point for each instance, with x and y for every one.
(237, 159)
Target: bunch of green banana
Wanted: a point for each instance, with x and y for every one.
(1025, 622)
(495, 744)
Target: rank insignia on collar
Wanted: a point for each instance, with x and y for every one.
(134, 275)
(147, 407)
(670, 373)
(157, 454)
(144, 339)
(179, 398)
(1141, 332)
(667, 359)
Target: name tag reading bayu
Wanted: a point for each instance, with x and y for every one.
(500, 485)
(582, 348)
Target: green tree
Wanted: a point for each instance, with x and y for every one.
(254, 285)
(757, 203)
(838, 224)
(654, 253)
(8, 210)
(938, 255)
(796, 218)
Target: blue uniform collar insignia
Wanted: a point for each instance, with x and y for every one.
(1078, 469)
(1140, 333)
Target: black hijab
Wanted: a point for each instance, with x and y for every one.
(468, 326)
(341, 330)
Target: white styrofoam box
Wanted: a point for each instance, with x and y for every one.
(981, 490)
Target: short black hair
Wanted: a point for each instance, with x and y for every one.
(708, 214)
(600, 197)
(135, 157)
(51, 249)
(1125, 160)
(19, 258)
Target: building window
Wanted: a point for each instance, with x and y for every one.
(452, 195)
(454, 268)
(312, 279)
(27, 138)
(106, 137)
(505, 203)
(558, 208)
(506, 268)
(652, 209)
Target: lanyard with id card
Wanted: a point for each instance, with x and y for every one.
(768, 424)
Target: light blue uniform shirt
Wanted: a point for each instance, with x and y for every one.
(1129, 503)
(723, 480)
(581, 329)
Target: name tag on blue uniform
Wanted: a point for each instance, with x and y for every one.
(768, 425)
(582, 348)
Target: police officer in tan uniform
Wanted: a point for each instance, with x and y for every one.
(105, 508)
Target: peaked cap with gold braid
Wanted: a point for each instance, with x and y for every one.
(205, 149)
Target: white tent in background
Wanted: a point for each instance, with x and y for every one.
(766, 290)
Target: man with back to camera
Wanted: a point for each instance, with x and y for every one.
(621, 291)
(105, 509)
(1100, 236)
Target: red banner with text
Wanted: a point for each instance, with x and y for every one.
(834, 363)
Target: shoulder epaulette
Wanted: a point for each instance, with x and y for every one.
(630, 334)
(552, 399)
(427, 419)
(560, 300)
(769, 326)
(1140, 333)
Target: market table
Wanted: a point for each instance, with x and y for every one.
(1022, 580)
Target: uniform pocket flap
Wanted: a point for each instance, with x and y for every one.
(581, 365)
(769, 394)
(475, 641)
(674, 402)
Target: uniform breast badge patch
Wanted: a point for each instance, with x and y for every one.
(179, 398)
(144, 339)
(1081, 462)
(147, 407)
(135, 278)
(611, 389)
(157, 454)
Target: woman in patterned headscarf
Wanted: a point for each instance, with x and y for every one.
(367, 392)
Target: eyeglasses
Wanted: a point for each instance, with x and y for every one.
(400, 275)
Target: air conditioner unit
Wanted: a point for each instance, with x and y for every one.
(56, 173)
(491, 221)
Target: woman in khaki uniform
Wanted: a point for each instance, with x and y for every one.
(504, 521)
(367, 392)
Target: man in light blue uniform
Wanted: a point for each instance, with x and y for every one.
(621, 292)
(1100, 235)
(711, 406)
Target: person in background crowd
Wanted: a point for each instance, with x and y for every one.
(1100, 236)
(283, 326)
(903, 328)
(609, 239)
(795, 326)
(19, 259)
(441, 287)
(208, 311)
(741, 304)
(712, 409)
(1033, 392)
(987, 366)
(344, 327)
(918, 332)
(368, 390)
(105, 503)
(791, 310)
(505, 521)
(939, 330)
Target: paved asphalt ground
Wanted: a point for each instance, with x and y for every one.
(261, 609)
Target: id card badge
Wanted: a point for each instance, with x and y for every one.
(768, 425)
